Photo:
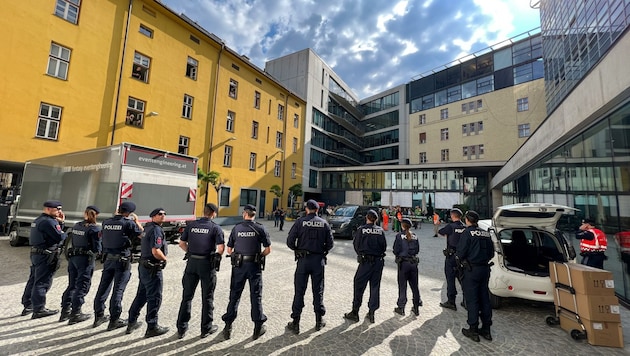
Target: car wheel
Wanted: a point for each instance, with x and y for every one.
(495, 301)
(14, 239)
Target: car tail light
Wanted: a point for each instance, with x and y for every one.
(540, 292)
(510, 288)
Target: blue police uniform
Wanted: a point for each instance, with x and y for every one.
(46, 237)
(246, 239)
(150, 273)
(475, 246)
(86, 244)
(370, 246)
(116, 234)
(202, 237)
(453, 232)
(311, 238)
(406, 252)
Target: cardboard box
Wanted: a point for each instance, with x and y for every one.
(584, 279)
(598, 333)
(592, 307)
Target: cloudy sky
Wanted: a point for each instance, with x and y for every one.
(372, 44)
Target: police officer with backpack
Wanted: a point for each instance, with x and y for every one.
(370, 245)
(116, 234)
(310, 238)
(82, 247)
(453, 232)
(202, 240)
(248, 262)
(474, 252)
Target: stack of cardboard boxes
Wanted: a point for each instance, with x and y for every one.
(585, 301)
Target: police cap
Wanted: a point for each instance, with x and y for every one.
(312, 204)
(456, 211)
(127, 207)
(93, 207)
(372, 215)
(406, 221)
(52, 204)
(250, 207)
(156, 211)
(212, 207)
(472, 216)
(589, 221)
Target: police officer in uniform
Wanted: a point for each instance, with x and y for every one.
(310, 238)
(474, 251)
(152, 261)
(593, 244)
(46, 239)
(453, 232)
(116, 234)
(202, 240)
(247, 265)
(82, 247)
(370, 245)
(406, 249)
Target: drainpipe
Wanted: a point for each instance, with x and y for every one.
(284, 146)
(214, 115)
(120, 72)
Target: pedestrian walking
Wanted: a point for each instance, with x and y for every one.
(310, 238)
(202, 241)
(82, 248)
(282, 217)
(593, 244)
(385, 219)
(436, 223)
(406, 249)
(453, 232)
(276, 217)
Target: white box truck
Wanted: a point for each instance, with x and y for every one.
(106, 177)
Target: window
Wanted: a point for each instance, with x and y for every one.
(255, 129)
(444, 155)
(422, 137)
(481, 149)
(444, 114)
(252, 161)
(277, 168)
(235, 66)
(58, 61)
(465, 129)
(248, 196)
(280, 112)
(479, 126)
(464, 108)
(523, 130)
(444, 134)
(48, 121)
(227, 156)
(465, 150)
(141, 64)
(422, 119)
(257, 100)
(233, 89)
(229, 123)
(278, 139)
(183, 145)
(191, 68)
(293, 170)
(188, 105)
(479, 104)
(522, 104)
(423, 157)
(296, 121)
(146, 31)
(473, 127)
(135, 112)
(295, 145)
(224, 200)
(68, 10)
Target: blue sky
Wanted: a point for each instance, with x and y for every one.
(372, 44)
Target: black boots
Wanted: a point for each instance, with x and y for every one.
(484, 332)
(100, 320)
(449, 305)
(294, 326)
(415, 310)
(472, 333)
(44, 313)
(116, 324)
(156, 331)
(77, 316)
(370, 316)
(352, 316)
(400, 311)
(259, 330)
(65, 314)
(227, 331)
(319, 322)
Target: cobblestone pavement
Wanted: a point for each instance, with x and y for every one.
(519, 327)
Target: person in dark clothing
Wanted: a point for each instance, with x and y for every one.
(474, 252)
(370, 246)
(406, 249)
(282, 217)
(276, 217)
(453, 232)
(82, 248)
(310, 238)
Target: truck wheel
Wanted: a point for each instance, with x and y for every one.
(495, 301)
(14, 239)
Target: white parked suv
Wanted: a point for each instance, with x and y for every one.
(525, 240)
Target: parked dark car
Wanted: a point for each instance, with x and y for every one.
(347, 218)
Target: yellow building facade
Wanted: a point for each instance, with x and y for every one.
(96, 73)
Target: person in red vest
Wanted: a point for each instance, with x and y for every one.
(592, 245)
(385, 218)
(623, 240)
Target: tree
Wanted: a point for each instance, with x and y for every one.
(276, 190)
(213, 178)
(295, 191)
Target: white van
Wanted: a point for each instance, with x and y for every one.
(525, 240)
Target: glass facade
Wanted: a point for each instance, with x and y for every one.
(380, 104)
(591, 172)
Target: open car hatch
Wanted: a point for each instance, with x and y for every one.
(527, 215)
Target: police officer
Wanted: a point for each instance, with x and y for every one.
(370, 245)
(202, 240)
(474, 251)
(82, 247)
(247, 265)
(152, 261)
(593, 244)
(406, 249)
(46, 238)
(310, 238)
(453, 232)
(117, 233)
